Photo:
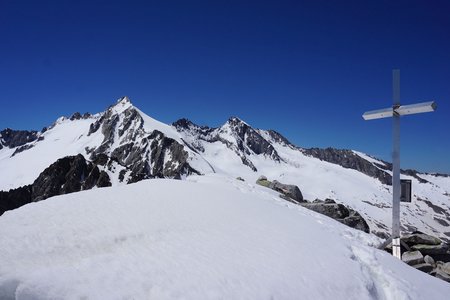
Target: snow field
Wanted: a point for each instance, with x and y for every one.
(208, 237)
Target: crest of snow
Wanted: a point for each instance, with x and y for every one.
(151, 124)
(205, 238)
(368, 158)
(122, 104)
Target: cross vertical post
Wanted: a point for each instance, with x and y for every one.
(395, 112)
(396, 189)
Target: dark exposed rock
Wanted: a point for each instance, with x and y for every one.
(15, 198)
(424, 267)
(289, 190)
(22, 148)
(177, 165)
(414, 174)
(339, 212)
(183, 124)
(442, 275)
(248, 140)
(15, 138)
(122, 175)
(355, 220)
(420, 238)
(430, 258)
(154, 156)
(103, 180)
(95, 126)
(332, 210)
(100, 159)
(435, 208)
(328, 207)
(348, 159)
(67, 175)
(76, 116)
(279, 138)
(431, 250)
(252, 139)
(441, 221)
(412, 257)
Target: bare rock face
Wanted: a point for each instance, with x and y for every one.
(249, 138)
(144, 154)
(246, 140)
(15, 198)
(15, 138)
(348, 159)
(67, 175)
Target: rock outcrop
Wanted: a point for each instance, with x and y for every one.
(145, 154)
(348, 159)
(426, 253)
(15, 138)
(287, 191)
(328, 207)
(339, 212)
(235, 134)
(67, 175)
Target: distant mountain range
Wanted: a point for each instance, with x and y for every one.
(123, 145)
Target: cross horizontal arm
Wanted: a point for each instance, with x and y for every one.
(378, 114)
(401, 110)
(416, 108)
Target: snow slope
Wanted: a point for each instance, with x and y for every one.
(209, 237)
(319, 179)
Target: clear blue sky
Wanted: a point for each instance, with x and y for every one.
(307, 69)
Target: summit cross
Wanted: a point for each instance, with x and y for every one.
(395, 112)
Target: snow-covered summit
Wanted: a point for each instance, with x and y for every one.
(209, 237)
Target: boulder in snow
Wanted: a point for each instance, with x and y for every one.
(412, 257)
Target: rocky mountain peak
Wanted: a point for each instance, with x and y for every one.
(279, 138)
(15, 138)
(236, 122)
(183, 124)
(124, 100)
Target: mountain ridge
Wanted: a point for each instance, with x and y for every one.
(127, 146)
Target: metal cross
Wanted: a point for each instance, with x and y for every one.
(395, 112)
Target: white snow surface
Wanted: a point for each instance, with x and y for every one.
(209, 237)
(65, 138)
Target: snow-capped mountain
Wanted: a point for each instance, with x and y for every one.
(123, 145)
